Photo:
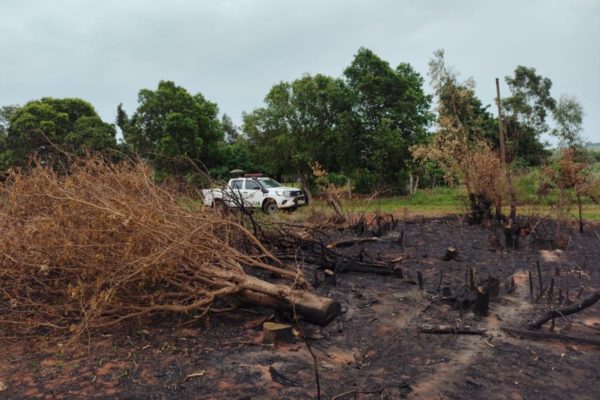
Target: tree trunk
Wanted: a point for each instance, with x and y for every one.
(312, 307)
(585, 303)
(413, 183)
(305, 187)
(336, 207)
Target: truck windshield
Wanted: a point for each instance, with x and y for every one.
(270, 183)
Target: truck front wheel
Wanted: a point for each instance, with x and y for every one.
(269, 207)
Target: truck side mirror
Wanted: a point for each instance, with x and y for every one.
(265, 191)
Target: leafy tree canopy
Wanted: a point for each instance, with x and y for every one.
(171, 127)
(50, 128)
(526, 113)
(362, 124)
(568, 115)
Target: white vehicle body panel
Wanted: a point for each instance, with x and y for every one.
(254, 193)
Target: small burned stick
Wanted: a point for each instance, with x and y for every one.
(530, 285)
(541, 288)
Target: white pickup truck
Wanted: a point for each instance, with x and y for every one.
(254, 192)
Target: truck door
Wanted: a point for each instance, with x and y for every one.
(234, 195)
(252, 193)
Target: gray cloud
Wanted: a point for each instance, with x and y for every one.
(234, 51)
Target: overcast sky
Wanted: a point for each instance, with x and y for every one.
(233, 51)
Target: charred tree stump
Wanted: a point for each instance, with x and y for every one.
(482, 302)
(471, 280)
(493, 287)
(274, 333)
(451, 254)
(420, 279)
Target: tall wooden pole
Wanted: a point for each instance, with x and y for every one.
(500, 127)
(513, 196)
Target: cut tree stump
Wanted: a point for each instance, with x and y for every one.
(482, 302)
(451, 254)
(274, 333)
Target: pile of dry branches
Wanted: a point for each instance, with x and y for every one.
(104, 244)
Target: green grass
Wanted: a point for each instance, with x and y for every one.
(436, 202)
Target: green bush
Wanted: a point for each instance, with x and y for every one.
(365, 181)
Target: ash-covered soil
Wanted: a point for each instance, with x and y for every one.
(374, 350)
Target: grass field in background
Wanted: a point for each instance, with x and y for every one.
(439, 201)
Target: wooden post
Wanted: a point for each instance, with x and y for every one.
(500, 127)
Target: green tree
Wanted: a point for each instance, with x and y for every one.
(526, 113)
(568, 115)
(362, 125)
(299, 124)
(6, 113)
(394, 113)
(171, 127)
(50, 128)
(230, 130)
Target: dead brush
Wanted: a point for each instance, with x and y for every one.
(105, 244)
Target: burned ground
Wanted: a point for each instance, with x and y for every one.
(373, 350)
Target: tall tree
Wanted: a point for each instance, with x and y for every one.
(393, 111)
(526, 114)
(299, 124)
(171, 127)
(459, 145)
(568, 115)
(49, 128)
(230, 130)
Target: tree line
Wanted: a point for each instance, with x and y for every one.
(374, 126)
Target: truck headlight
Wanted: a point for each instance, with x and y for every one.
(287, 193)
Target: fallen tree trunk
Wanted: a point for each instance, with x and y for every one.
(551, 336)
(572, 309)
(343, 264)
(312, 307)
(351, 242)
(449, 329)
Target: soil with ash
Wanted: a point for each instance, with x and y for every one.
(374, 350)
